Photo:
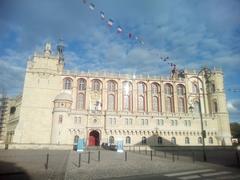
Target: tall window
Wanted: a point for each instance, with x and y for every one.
(144, 140)
(112, 95)
(215, 106)
(81, 101)
(96, 85)
(76, 139)
(195, 88)
(81, 94)
(187, 141)
(213, 89)
(127, 96)
(141, 96)
(67, 83)
(111, 140)
(111, 102)
(199, 140)
(173, 140)
(210, 140)
(82, 85)
(128, 140)
(196, 107)
(169, 98)
(160, 141)
(181, 93)
(155, 97)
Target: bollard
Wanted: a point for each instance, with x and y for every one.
(193, 157)
(98, 155)
(237, 156)
(79, 160)
(46, 165)
(173, 158)
(165, 154)
(125, 155)
(89, 157)
(151, 155)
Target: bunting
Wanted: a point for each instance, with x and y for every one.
(130, 35)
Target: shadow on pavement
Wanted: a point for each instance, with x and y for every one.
(10, 171)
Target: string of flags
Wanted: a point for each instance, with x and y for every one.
(120, 30)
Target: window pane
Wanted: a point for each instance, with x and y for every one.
(126, 102)
(155, 103)
(111, 102)
(140, 103)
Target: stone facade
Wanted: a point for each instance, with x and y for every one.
(58, 106)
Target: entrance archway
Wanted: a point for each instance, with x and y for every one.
(93, 139)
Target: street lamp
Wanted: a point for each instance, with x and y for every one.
(207, 74)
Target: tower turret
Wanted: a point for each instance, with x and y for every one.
(60, 49)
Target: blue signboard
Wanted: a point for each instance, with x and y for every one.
(119, 145)
(80, 145)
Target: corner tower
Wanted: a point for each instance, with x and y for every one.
(218, 107)
(41, 85)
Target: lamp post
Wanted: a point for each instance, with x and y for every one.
(207, 74)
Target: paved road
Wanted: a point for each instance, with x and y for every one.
(31, 164)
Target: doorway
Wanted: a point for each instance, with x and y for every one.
(93, 138)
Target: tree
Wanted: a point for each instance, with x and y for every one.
(235, 129)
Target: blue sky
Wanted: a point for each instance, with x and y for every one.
(192, 33)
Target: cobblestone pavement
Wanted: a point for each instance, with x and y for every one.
(31, 164)
(113, 164)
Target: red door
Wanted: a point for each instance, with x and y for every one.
(92, 141)
(93, 138)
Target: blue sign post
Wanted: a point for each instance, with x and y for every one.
(80, 145)
(119, 145)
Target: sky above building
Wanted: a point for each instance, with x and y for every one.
(192, 33)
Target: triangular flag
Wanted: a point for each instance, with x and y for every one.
(110, 22)
(102, 15)
(91, 6)
(119, 29)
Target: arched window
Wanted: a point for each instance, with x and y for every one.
(196, 107)
(215, 106)
(81, 101)
(199, 140)
(187, 141)
(144, 140)
(181, 93)
(76, 139)
(195, 88)
(160, 141)
(96, 85)
(140, 103)
(141, 96)
(111, 86)
(67, 83)
(128, 140)
(155, 103)
(173, 140)
(82, 84)
(210, 140)
(111, 102)
(127, 96)
(112, 95)
(213, 88)
(111, 140)
(181, 105)
(155, 97)
(169, 97)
